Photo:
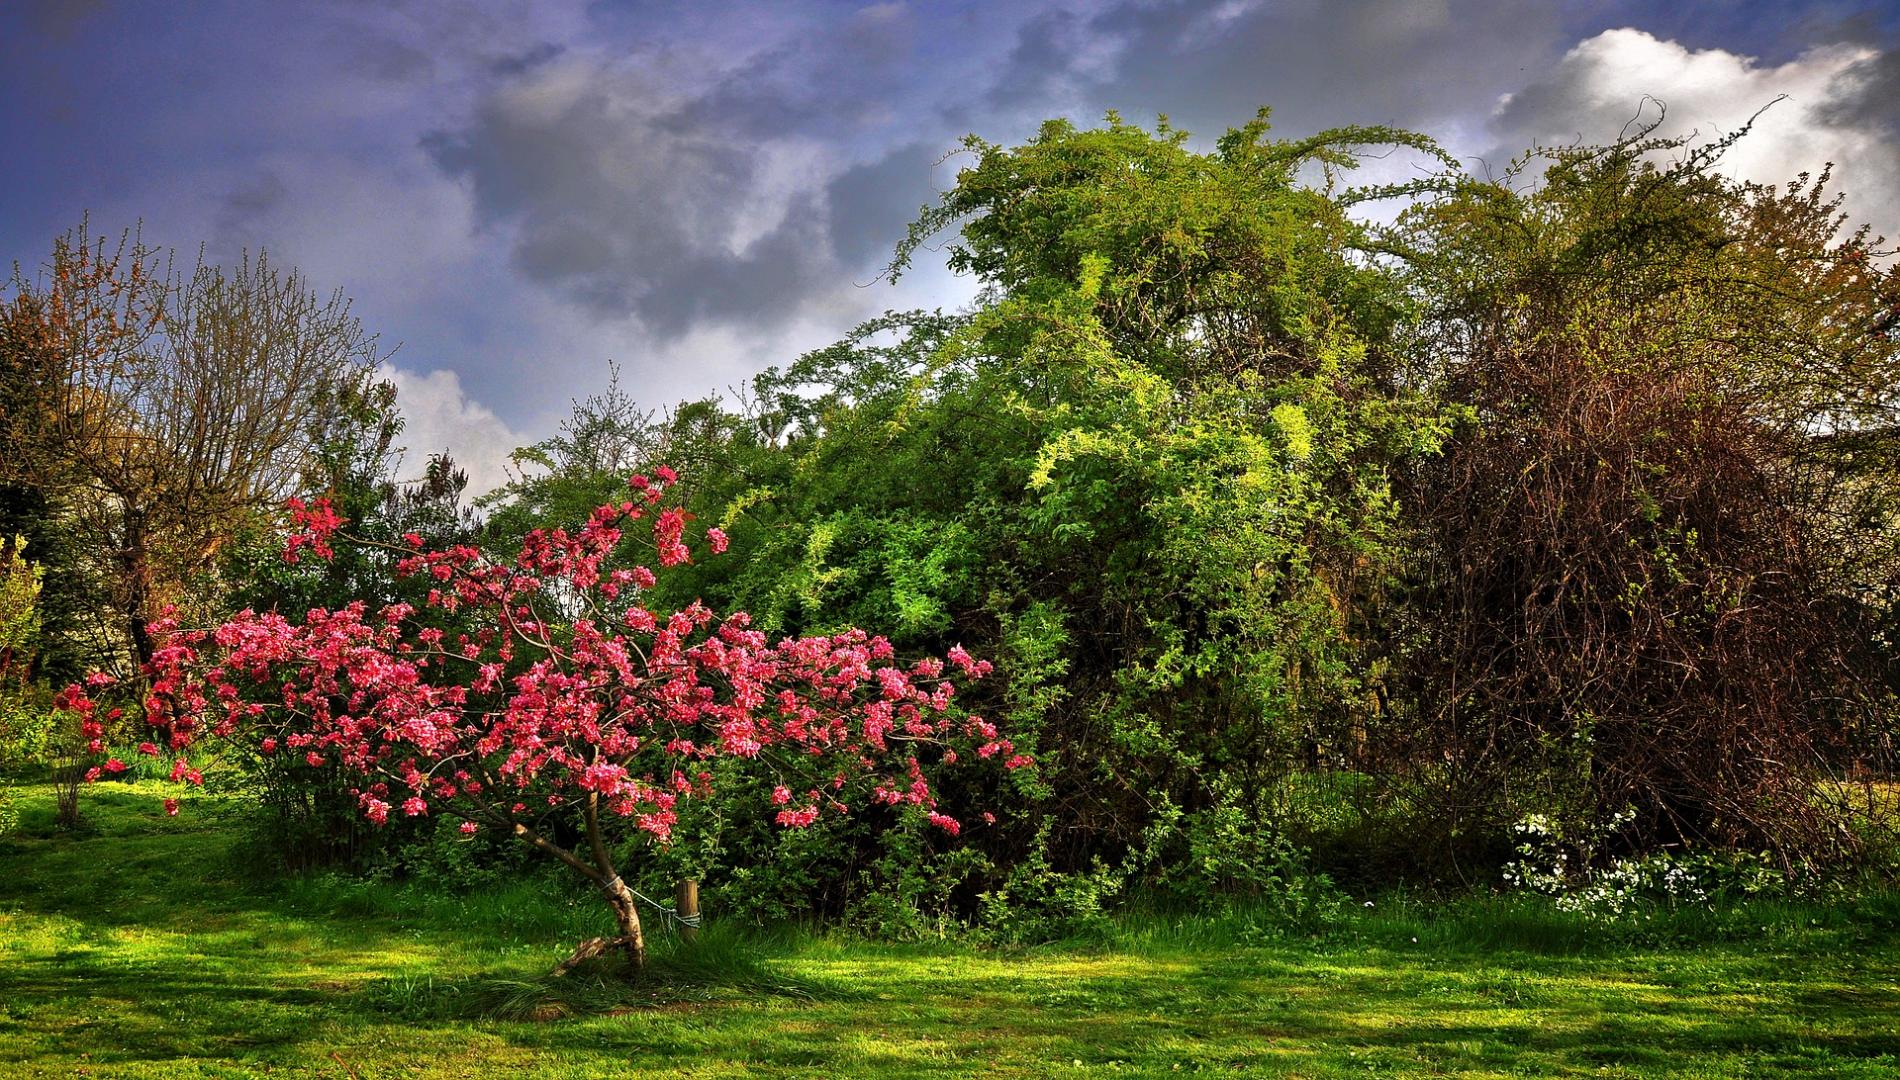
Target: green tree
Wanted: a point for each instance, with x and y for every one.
(19, 635)
(20, 584)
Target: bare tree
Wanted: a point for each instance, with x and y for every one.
(169, 405)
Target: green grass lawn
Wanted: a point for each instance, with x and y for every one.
(144, 948)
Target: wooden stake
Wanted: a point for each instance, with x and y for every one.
(686, 905)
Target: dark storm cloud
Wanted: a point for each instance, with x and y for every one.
(770, 282)
(1873, 100)
(244, 209)
(649, 185)
(619, 206)
(872, 204)
(526, 60)
(622, 191)
(1208, 66)
(830, 80)
(519, 189)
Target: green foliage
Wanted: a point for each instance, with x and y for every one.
(1037, 901)
(1147, 475)
(25, 721)
(29, 728)
(1237, 492)
(1247, 859)
(41, 530)
(20, 583)
(607, 438)
(39, 517)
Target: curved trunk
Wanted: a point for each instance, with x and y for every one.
(631, 940)
(627, 917)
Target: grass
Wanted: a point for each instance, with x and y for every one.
(145, 948)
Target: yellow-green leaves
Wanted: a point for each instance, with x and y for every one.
(19, 602)
(1094, 267)
(1296, 432)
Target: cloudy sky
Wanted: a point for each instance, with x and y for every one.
(517, 192)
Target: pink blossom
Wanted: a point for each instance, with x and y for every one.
(799, 818)
(668, 527)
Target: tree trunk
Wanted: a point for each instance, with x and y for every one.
(67, 773)
(631, 941)
(135, 561)
(627, 915)
(619, 897)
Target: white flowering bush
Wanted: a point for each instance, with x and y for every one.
(1567, 868)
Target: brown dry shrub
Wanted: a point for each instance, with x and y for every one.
(1654, 559)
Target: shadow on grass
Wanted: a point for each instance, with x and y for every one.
(724, 965)
(136, 1016)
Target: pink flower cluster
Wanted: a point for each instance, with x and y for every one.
(313, 524)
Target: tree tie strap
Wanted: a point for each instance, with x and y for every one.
(672, 916)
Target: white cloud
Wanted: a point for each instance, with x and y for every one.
(438, 416)
(1599, 85)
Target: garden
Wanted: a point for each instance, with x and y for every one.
(1284, 626)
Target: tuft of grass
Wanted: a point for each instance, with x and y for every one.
(733, 959)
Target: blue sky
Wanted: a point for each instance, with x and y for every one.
(517, 193)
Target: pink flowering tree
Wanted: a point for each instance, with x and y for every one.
(556, 694)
